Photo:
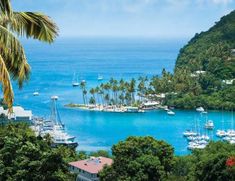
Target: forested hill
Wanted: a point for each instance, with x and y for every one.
(211, 51)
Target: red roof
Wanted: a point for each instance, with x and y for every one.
(92, 165)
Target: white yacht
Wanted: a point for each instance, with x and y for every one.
(221, 133)
(200, 109)
(209, 124)
(231, 133)
(189, 133)
(197, 145)
(169, 112)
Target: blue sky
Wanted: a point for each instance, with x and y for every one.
(130, 18)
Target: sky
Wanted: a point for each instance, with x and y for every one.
(130, 18)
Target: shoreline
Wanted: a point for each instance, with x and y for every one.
(102, 108)
(95, 109)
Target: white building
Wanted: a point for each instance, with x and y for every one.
(228, 82)
(233, 52)
(88, 169)
(18, 114)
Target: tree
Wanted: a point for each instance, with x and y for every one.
(139, 159)
(26, 157)
(210, 163)
(84, 92)
(13, 60)
(92, 92)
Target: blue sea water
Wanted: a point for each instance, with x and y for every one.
(53, 67)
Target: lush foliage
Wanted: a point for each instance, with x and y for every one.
(213, 52)
(26, 157)
(144, 158)
(215, 163)
(204, 70)
(139, 159)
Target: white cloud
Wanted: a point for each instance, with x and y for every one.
(216, 2)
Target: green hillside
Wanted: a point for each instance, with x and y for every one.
(205, 69)
(211, 50)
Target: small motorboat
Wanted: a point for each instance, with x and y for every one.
(75, 84)
(200, 109)
(36, 94)
(170, 113)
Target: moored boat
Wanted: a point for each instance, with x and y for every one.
(36, 94)
(200, 109)
(209, 124)
(170, 112)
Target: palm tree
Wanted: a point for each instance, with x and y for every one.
(106, 98)
(13, 62)
(131, 89)
(92, 92)
(97, 91)
(84, 92)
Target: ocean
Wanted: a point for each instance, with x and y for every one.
(53, 67)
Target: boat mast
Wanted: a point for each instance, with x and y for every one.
(55, 116)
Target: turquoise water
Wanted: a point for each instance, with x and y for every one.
(52, 72)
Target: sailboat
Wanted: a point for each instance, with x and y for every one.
(221, 133)
(209, 124)
(75, 82)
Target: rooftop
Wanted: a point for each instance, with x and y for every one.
(92, 165)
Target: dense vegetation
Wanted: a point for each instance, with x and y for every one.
(213, 52)
(215, 163)
(23, 156)
(26, 157)
(146, 159)
(139, 159)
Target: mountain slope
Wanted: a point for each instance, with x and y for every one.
(211, 50)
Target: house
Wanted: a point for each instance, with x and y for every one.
(18, 114)
(233, 52)
(88, 169)
(200, 72)
(150, 105)
(228, 82)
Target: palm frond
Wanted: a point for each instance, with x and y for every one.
(6, 84)
(33, 25)
(14, 56)
(5, 7)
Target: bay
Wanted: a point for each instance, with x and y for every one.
(53, 67)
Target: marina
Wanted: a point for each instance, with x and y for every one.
(53, 127)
